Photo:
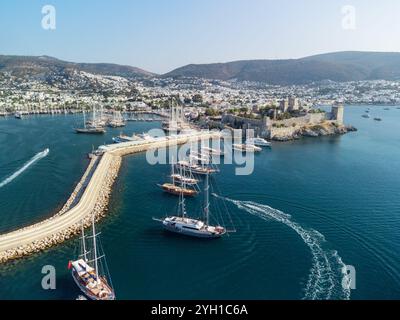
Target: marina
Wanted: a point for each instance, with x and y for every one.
(271, 215)
(59, 228)
(199, 159)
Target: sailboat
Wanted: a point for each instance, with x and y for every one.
(86, 273)
(117, 120)
(183, 180)
(91, 128)
(199, 228)
(198, 164)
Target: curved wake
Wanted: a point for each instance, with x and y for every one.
(36, 158)
(327, 272)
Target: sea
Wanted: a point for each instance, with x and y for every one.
(319, 218)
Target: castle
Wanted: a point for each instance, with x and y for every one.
(271, 129)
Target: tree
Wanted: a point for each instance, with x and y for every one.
(211, 112)
(197, 98)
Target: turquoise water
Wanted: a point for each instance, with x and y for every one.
(311, 206)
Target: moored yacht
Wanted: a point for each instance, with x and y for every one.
(246, 148)
(179, 183)
(194, 168)
(212, 152)
(124, 138)
(258, 142)
(92, 128)
(18, 115)
(177, 190)
(117, 120)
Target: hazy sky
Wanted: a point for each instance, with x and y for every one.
(160, 35)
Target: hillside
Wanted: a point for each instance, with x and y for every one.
(340, 66)
(44, 67)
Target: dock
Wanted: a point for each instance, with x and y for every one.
(90, 196)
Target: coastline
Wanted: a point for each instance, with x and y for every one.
(315, 130)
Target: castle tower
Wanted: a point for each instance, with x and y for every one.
(284, 105)
(293, 104)
(338, 113)
(266, 127)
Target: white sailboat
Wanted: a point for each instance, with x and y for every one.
(185, 225)
(95, 284)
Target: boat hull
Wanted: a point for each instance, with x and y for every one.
(192, 227)
(177, 191)
(195, 234)
(88, 131)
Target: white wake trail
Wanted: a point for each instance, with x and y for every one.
(326, 274)
(36, 158)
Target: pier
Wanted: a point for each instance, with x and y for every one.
(90, 197)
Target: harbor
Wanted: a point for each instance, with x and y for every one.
(300, 200)
(93, 201)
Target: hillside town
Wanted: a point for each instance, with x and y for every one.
(267, 108)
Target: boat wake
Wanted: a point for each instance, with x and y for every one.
(36, 158)
(327, 271)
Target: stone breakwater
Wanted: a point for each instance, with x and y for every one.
(67, 206)
(90, 197)
(99, 211)
(79, 187)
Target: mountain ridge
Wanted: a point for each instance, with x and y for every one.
(44, 65)
(339, 66)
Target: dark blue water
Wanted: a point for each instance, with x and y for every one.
(310, 207)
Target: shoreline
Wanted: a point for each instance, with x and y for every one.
(316, 130)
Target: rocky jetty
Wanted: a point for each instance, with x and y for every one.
(99, 211)
(323, 129)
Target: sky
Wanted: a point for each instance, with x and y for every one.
(161, 35)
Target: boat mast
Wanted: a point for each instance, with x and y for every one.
(84, 118)
(95, 250)
(83, 242)
(182, 197)
(206, 200)
(172, 172)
